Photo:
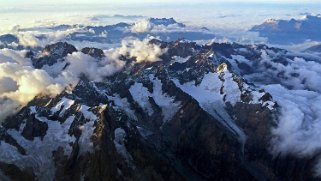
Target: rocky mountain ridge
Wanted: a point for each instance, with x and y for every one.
(290, 31)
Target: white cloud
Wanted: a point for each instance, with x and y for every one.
(295, 86)
(298, 130)
(143, 51)
(141, 26)
(20, 83)
(94, 69)
(27, 39)
(299, 125)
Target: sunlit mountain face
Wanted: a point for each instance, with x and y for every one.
(160, 91)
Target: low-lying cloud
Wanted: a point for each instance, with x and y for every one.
(92, 68)
(141, 26)
(296, 87)
(20, 82)
(143, 51)
(28, 40)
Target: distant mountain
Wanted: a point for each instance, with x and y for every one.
(167, 29)
(115, 33)
(316, 49)
(165, 22)
(290, 31)
(9, 41)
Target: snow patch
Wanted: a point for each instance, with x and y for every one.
(87, 114)
(119, 142)
(39, 152)
(141, 95)
(33, 109)
(65, 103)
(256, 96)
(231, 89)
(123, 104)
(165, 102)
(85, 143)
(179, 59)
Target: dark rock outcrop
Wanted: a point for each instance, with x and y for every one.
(53, 53)
(94, 52)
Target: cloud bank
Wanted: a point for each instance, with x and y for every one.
(293, 80)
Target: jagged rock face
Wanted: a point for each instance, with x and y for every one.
(52, 54)
(176, 119)
(94, 52)
(60, 49)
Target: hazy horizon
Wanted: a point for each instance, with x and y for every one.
(218, 14)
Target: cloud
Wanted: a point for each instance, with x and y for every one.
(299, 123)
(142, 51)
(44, 35)
(141, 26)
(94, 69)
(27, 39)
(54, 36)
(20, 82)
(293, 80)
(297, 89)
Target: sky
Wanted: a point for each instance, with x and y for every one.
(20, 2)
(221, 14)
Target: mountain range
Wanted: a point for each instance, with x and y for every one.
(150, 109)
(290, 31)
